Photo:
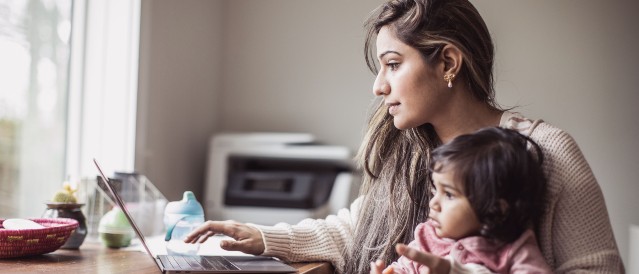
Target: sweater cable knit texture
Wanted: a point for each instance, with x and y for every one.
(574, 234)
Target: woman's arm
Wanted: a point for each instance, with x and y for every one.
(575, 234)
(312, 239)
(309, 240)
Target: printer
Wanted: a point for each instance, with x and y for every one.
(266, 178)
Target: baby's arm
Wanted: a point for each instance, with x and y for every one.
(414, 260)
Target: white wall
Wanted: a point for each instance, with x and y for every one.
(289, 65)
(575, 64)
(180, 53)
(297, 66)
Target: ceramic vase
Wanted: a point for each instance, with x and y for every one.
(72, 211)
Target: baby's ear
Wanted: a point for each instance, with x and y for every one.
(503, 207)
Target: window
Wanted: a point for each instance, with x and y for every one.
(35, 50)
(67, 95)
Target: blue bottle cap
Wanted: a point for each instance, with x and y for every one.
(188, 206)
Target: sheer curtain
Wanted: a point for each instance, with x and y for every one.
(106, 51)
(68, 82)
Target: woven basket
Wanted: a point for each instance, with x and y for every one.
(26, 242)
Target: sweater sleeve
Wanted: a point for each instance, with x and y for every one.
(575, 233)
(312, 239)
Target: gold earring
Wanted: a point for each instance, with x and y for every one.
(449, 78)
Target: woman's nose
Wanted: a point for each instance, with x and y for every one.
(380, 87)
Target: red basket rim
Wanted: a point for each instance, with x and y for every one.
(48, 223)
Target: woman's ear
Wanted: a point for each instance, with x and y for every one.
(452, 59)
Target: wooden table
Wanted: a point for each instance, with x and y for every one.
(94, 258)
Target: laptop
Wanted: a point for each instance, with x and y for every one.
(201, 264)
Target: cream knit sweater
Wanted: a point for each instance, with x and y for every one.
(575, 233)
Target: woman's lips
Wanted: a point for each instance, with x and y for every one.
(393, 108)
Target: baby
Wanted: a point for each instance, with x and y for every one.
(487, 194)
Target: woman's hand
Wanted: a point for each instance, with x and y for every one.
(247, 238)
(436, 264)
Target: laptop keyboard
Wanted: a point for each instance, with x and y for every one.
(219, 263)
(197, 262)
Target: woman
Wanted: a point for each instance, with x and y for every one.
(435, 82)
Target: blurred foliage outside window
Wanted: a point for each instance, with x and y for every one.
(34, 68)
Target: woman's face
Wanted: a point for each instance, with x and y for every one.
(414, 92)
(450, 210)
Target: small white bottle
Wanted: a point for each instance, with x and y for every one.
(180, 218)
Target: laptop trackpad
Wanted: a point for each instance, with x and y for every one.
(259, 264)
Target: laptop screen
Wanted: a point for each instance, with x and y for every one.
(122, 206)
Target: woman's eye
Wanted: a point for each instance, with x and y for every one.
(393, 66)
(448, 195)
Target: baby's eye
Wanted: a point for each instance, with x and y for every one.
(449, 195)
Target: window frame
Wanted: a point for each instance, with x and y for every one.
(103, 85)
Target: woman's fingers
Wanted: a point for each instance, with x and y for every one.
(204, 237)
(251, 242)
(247, 239)
(209, 228)
(202, 230)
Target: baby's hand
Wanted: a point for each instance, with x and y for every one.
(389, 270)
(379, 267)
(436, 264)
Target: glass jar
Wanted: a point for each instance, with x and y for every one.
(71, 211)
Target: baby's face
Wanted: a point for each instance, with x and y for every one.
(450, 210)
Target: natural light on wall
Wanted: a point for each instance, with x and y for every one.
(67, 95)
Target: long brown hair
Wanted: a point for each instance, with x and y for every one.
(396, 162)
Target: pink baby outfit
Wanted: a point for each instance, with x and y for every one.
(476, 254)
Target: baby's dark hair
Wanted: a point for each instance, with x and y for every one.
(495, 165)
